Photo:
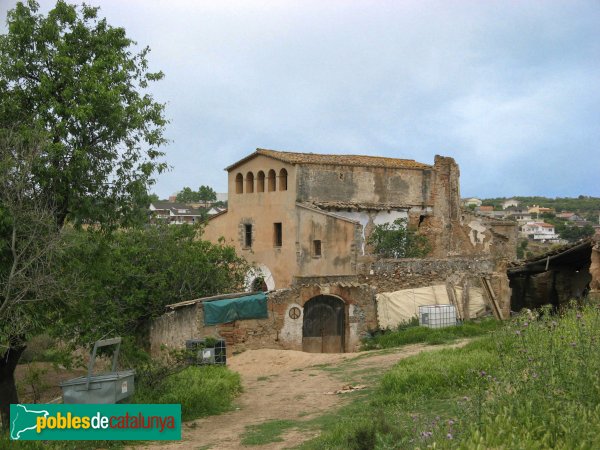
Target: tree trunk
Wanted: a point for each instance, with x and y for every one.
(8, 388)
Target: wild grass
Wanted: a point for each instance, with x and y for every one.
(414, 334)
(266, 432)
(201, 391)
(531, 384)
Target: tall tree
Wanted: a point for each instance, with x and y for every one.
(79, 80)
(187, 195)
(206, 194)
(75, 76)
(29, 238)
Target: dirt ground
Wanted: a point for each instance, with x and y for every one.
(286, 384)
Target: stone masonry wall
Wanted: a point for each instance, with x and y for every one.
(390, 275)
(279, 330)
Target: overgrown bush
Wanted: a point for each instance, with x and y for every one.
(398, 240)
(201, 391)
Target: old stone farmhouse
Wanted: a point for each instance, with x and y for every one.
(304, 219)
(302, 215)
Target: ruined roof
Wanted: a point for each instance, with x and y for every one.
(569, 254)
(361, 206)
(337, 160)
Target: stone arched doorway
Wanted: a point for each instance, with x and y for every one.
(323, 326)
(259, 278)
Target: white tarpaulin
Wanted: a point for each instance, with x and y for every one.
(394, 308)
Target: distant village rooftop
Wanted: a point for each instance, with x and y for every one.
(327, 159)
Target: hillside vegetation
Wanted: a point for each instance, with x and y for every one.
(583, 204)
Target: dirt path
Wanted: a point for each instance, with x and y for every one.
(286, 384)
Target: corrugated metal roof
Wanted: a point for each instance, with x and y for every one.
(332, 159)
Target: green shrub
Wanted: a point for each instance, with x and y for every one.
(201, 391)
(405, 335)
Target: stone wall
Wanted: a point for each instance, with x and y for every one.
(390, 275)
(279, 330)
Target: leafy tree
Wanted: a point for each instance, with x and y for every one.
(187, 195)
(574, 233)
(153, 198)
(78, 80)
(75, 76)
(124, 280)
(206, 194)
(397, 240)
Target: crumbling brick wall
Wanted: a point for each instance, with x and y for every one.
(279, 330)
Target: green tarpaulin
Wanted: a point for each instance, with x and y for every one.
(248, 307)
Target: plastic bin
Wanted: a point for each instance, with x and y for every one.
(109, 387)
(437, 316)
(214, 353)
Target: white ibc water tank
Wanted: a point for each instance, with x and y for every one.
(437, 316)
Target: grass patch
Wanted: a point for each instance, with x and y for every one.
(201, 391)
(267, 432)
(405, 335)
(531, 384)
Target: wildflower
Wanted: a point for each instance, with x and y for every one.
(534, 375)
(573, 344)
(525, 324)
(579, 316)
(482, 373)
(426, 434)
(518, 332)
(449, 435)
(450, 422)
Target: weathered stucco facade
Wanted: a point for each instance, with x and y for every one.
(304, 215)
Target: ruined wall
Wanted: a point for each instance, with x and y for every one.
(556, 288)
(330, 183)
(279, 330)
(390, 275)
(173, 328)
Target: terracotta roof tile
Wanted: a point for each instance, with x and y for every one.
(339, 160)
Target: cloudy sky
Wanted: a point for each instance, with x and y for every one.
(510, 89)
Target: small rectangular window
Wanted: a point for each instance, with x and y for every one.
(277, 234)
(248, 235)
(316, 248)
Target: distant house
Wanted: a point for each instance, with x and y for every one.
(510, 202)
(536, 209)
(539, 231)
(521, 217)
(473, 201)
(174, 213)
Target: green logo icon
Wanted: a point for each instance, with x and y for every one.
(95, 422)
